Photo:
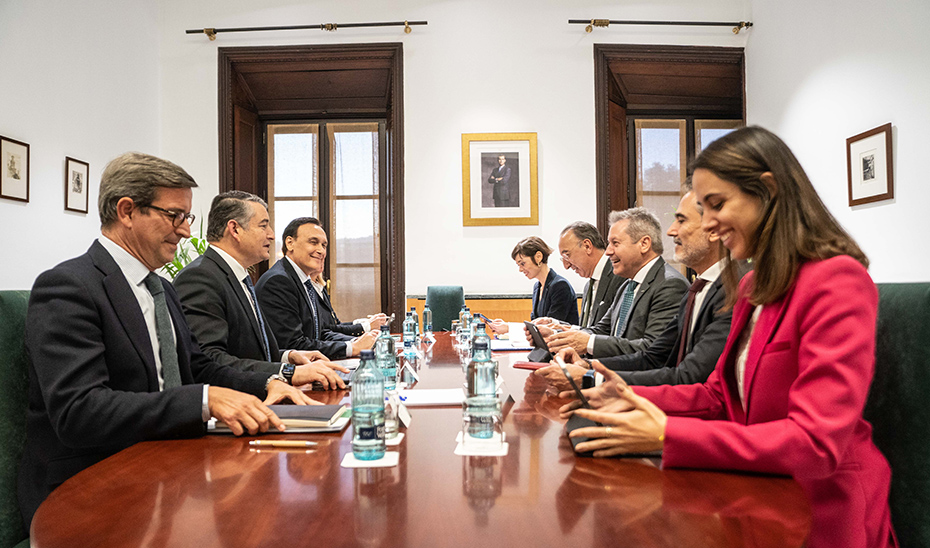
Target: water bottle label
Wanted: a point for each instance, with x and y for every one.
(371, 432)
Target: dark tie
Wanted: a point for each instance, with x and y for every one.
(258, 312)
(626, 303)
(588, 297)
(695, 288)
(316, 317)
(167, 349)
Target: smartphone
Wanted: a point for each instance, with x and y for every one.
(571, 381)
(482, 316)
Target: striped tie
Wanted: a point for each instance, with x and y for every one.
(316, 317)
(258, 313)
(626, 303)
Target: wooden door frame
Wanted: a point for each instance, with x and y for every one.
(393, 295)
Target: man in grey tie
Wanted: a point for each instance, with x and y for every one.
(219, 300)
(644, 304)
(112, 359)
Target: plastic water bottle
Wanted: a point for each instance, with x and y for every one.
(462, 314)
(481, 334)
(367, 409)
(481, 405)
(410, 332)
(467, 331)
(427, 320)
(386, 357)
(391, 411)
(416, 322)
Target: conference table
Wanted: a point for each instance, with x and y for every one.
(215, 491)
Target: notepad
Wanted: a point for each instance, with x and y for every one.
(303, 416)
(432, 397)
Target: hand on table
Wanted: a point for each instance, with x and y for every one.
(301, 357)
(323, 372)
(364, 342)
(242, 412)
(577, 340)
(499, 326)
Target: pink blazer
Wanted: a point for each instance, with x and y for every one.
(810, 364)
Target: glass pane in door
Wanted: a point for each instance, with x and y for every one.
(660, 170)
(293, 176)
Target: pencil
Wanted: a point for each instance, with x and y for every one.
(282, 443)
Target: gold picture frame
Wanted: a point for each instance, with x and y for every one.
(499, 179)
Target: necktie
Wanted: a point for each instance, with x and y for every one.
(167, 349)
(626, 303)
(258, 313)
(588, 297)
(316, 318)
(695, 288)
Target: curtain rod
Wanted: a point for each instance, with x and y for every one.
(212, 32)
(591, 23)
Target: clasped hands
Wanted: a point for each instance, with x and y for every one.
(313, 366)
(631, 423)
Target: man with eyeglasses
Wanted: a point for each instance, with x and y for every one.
(220, 303)
(112, 359)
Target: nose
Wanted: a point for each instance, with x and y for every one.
(708, 222)
(184, 230)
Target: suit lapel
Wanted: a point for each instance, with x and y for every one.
(126, 307)
(706, 312)
(741, 313)
(647, 281)
(768, 322)
(603, 284)
(236, 287)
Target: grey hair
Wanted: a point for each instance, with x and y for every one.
(586, 231)
(642, 223)
(137, 176)
(230, 206)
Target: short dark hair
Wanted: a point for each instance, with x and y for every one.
(290, 231)
(137, 176)
(528, 248)
(586, 231)
(230, 206)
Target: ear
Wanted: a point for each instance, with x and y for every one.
(769, 181)
(645, 244)
(537, 257)
(124, 208)
(289, 243)
(232, 228)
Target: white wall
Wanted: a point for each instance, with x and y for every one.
(79, 79)
(478, 67)
(820, 72)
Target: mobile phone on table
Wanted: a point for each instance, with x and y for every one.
(482, 316)
(571, 381)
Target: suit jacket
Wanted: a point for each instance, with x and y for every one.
(558, 300)
(288, 308)
(219, 313)
(93, 386)
(658, 364)
(810, 364)
(654, 306)
(501, 192)
(330, 321)
(606, 292)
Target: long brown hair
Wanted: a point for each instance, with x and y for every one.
(794, 227)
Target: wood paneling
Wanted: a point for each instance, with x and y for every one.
(509, 310)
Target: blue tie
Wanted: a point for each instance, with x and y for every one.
(312, 297)
(626, 303)
(258, 312)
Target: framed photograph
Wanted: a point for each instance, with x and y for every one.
(499, 185)
(14, 169)
(870, 166)
(76, 181)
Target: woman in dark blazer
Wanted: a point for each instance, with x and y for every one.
(788, 391)
(553, 296)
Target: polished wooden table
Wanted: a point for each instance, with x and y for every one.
(215, 491)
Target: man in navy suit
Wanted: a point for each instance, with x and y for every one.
(219, 301)
(112, 359)
(500, 180)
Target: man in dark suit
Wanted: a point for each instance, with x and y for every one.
(290, 304)
(112, 359)
(686, 352)
(644, 304)
(582, 249)
(219, 301)
(500, 180)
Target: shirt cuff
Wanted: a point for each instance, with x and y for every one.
(590, 347)
(285, 355)
(365, 323)
(349, 353)
(205, 405)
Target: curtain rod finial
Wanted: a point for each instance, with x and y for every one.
(211, 34)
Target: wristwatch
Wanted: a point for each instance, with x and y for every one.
(588, 380)
(287, 371)
(274, 377)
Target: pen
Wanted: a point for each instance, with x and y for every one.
(282, 443)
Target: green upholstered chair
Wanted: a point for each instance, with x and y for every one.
(898, 405)
(14, 384)
(445, 301)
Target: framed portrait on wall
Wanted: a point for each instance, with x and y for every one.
(77, 175)
(14, 169)
(499, 184)
(870, 166)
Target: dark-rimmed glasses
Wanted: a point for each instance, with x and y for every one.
(177, 217)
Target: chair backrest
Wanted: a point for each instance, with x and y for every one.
(898, 405)
(14, 386)
(445, 301)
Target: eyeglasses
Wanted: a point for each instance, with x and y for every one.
(177, 217)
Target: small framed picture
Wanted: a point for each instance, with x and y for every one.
(76, 182)
(14, 169)
(870, 166)
(499, 185)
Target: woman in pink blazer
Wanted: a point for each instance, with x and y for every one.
(788, 391)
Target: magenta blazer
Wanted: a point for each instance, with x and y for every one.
(807, 377)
